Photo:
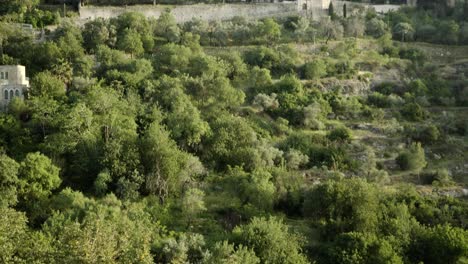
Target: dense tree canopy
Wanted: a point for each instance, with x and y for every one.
(273, 140)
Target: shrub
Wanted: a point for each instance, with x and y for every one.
(339, 134)
(417, 87)
(379, 100)
(413, 112)
(315, 69)
(374, 114)
(262, 57)
(443, 178)
(429, 134)
(438, 178)
(376, 27)
(295, 159)
(415, 55)
(386, 88)
(439, 245)
(271, 241)
(426, 33)
(413, 158)
(343, 205)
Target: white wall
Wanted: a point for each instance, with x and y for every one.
(378, 8)
(184, 13)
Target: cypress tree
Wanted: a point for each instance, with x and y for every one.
(331, 10)
(465, 10)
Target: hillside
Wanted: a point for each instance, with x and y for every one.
(276, 140)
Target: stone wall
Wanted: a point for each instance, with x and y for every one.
(184, 13)
(354, 5)
(316, 9)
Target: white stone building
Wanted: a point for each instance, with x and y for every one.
(304, 5)
(13, 83)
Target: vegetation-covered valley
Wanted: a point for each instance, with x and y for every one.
(284, 140)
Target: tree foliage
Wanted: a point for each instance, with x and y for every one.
(271, 241)
(151, 141)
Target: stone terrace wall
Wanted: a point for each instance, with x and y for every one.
(185, 13)
(378, 8)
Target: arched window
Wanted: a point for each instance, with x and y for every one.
(11, 94)
(17, 93)
(6, 95)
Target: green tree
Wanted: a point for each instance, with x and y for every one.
(111, 138)
(167, 28)
(15, 6)
(69, 42)
(45, 84)
(291, 98)
(415, 55)
(268, 31)
(102, 231)
(96, 33)
(101, 184)
(376, 27)
(130, 42)
(331, 11)
(214, 94)
(366, 248)
(426, 33)
(315, 69)
(45, 112)
(295, 159)
(183, 248)
(413, 158)
(301, 27)
(183, 118)
(342, 134)
(463, 38)
(404, 31)
(344, 206)
(13, 234)
(258, 80)
(331, 29)
(271, 241)
(313, 116)
(223, 252)
(163, 162)
(255, 188)
(193, 204)
(427, 135)
(236, 68)
(355, 27)
(136, 22)
(448, 32)
(231, 143)
(172, 59)
(418, 87)
(8, 181)
(465, 11)
(64, 71)
(442, 178)
(262, 57)
(38, 177)
(413, 112)
(439, 244)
